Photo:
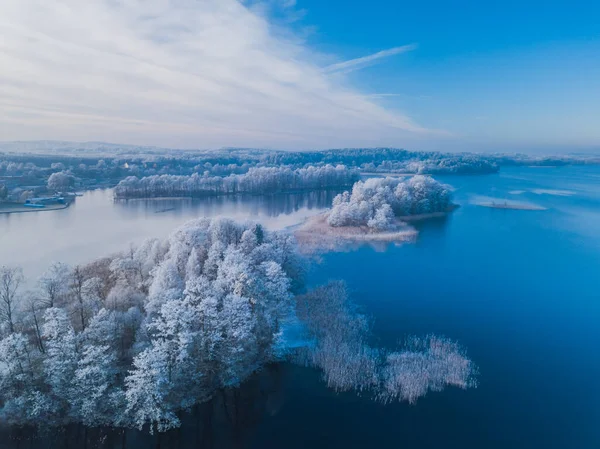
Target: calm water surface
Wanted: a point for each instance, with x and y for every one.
(96, 225)
(519, 289)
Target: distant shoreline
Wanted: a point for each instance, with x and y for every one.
(232, 194)
(18, 208)
(512, 206)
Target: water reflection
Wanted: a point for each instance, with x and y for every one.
(254, 205)
(96, 225)
(229, 420)
(435, 226)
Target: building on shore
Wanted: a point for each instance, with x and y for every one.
(43, 201)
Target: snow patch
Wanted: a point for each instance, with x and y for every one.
(553, 192)
(500, 203)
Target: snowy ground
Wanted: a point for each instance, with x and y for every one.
(315, 234)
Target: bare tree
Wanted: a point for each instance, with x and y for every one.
(34, 307)
(10, 281)
(77, 292)
(54, 283)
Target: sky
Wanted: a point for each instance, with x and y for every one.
(303, 74)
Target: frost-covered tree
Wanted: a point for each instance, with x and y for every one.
(135, 338)
(425, 364)
(147, 391)
(83, 299)
(382, 219)
(10, 281)
(215, 302)
(94, 397)
(341, 350)
(376, 201)
(61, 180)
(54, 284)
(32, 316)
(61, 357)
(167, 285)
(20, 380)
(97, 396)
(257, 180)
(340, 335)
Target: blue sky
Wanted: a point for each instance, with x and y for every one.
(476, 76)
(515, 75)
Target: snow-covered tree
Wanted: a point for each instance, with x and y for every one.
(60, 181)
(20, 381)
(94, 396)
(257, 180)
(383, 217)
(61, 357)
(135, 338)
(376, 201)
(147, 391)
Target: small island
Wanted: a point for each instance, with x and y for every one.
(377, 210)
(511, 205)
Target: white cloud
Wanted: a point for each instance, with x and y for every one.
(187, 73)
(365, 61)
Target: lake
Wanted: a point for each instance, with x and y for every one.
(96, 225)
(520, 289)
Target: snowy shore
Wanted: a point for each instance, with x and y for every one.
(316, 234)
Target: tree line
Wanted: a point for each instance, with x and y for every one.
(93, 165)
(258, 180)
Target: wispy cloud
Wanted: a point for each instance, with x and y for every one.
(385, 95)
(187, 73)
(365, 61)
(388, 95)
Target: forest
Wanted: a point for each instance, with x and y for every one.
(26, 168)
(136, 338)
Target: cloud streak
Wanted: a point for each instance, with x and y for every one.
(365, 61)
(183, 73)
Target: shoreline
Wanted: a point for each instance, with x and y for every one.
(20, 209)
(429, 216)
(233, 194)
(315, 234)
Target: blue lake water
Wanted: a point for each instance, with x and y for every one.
(519, 289)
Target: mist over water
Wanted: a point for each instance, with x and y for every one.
(518, 289)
